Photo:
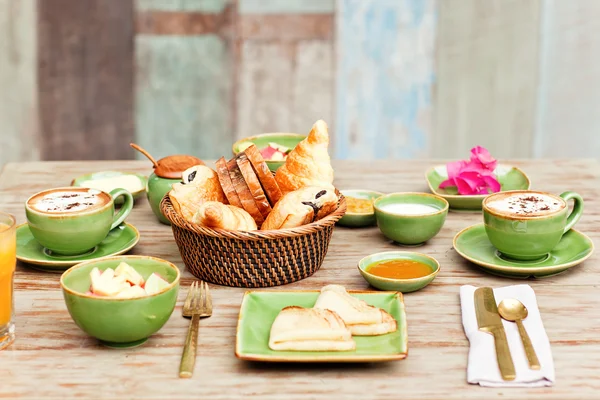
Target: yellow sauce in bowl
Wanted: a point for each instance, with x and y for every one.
(359, 206)
(399, 269)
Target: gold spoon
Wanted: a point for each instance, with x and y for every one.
(515, 311)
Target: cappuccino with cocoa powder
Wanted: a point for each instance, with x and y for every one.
(529, 204)
(75, 200)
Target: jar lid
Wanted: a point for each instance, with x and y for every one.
(170, 167)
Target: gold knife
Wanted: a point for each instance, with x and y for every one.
(489, 321)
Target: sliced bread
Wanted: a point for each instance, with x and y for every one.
(243, 192)
(226, 183)
(253, 184)
(265, 176)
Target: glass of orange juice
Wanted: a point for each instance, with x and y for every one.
(8, 261)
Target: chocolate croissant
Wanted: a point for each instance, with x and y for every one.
(218, 215)
(204, 186)
(308, 164)
(301, 207)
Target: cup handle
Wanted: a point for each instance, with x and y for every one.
(577, 209)
(125, 208)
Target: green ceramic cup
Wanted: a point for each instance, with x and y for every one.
(77, 232)
(400, 285)
(120, 322)
(156, 189)
(526, 238)
(410, 229)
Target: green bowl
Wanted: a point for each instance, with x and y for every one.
(410, 230)
(261, 141)
(357, 220)
(400, 285)
(120, 322)
(510, 178)
(111, 174)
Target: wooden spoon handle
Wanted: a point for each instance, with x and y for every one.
(144, 152)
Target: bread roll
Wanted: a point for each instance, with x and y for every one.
(218, 215)
(205, 186)
(301, 207)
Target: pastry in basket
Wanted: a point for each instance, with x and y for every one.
(301, 207)
(308, 329)
(308, 164)
(226, 183)
(205, 186)
(256, 189)
(361, 318)
(218, 215)
(243, 192)
(264, 174)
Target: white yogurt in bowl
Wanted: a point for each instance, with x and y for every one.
(409, 209)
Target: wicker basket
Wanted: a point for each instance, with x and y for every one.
(252, 259)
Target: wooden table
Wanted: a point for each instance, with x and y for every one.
(53, 358)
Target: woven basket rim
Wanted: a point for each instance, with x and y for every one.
(167, 209)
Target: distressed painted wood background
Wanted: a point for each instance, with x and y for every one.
(393, 78)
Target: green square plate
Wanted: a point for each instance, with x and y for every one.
(510, 178)
(259, 309)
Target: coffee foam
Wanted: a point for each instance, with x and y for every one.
(526, 204)
(67, 201)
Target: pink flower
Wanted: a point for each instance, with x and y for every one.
(475, 176)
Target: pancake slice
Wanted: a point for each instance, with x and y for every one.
(309, 329)
(253, 184)
(226, 183)
(264, 174)
(361, 318)
(243, 192)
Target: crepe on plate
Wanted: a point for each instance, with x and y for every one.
(361, 318)
(309, 329)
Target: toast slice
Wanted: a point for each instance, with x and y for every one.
(243, 192)
(227, 183)
(361, 318)
(265, 176)
(308, 329)
(253, 184)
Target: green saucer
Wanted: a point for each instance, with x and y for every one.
(119, 241)
(473, 244)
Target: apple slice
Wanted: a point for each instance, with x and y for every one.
(106, 285)
(130, 292)
(130, 274)
(155, 284)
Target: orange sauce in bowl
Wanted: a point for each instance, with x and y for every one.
(399, 269)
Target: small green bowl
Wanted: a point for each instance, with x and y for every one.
(261, 141)
(357, 220)
(120, 322)
(400, 285)
(406, 229)
(112, 174)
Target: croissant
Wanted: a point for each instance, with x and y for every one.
(308, 164)
(218, 215)
(301, 207)
(204, 186)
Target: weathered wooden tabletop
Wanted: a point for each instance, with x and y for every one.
(53, 358)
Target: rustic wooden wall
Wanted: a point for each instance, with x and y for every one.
(18, 85)
(394, 78)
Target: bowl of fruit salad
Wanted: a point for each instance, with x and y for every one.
(274, 147)
(123, 300)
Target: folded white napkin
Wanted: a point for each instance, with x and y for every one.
(483, 366)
